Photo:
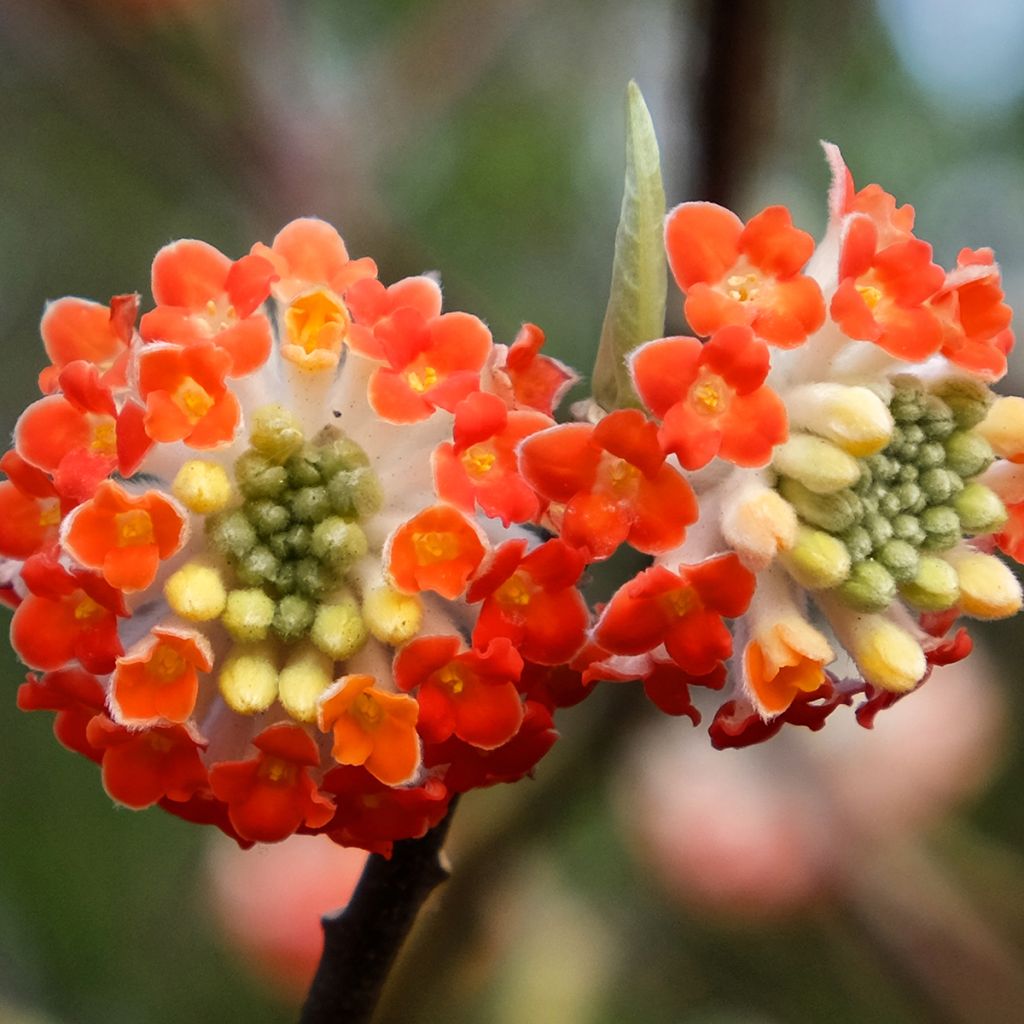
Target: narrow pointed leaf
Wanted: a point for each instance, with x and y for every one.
(636, 304)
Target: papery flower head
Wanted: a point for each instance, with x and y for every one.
(262, 549)
(852, 466)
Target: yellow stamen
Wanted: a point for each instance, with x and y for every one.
(742, 287)
(452, 677)
(104, 437)
(420, 383)
(871, 295)
(87, 609)
(317, 321)
(166, 664)
(49, 515)
(192, 399)
(276, 769)
(367, 708)
(478, 460)
(133, 528)
(514, 591)
(434, 546)
(681, 602)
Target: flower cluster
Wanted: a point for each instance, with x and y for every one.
(266, 549)
(855, 471)
(276, 550)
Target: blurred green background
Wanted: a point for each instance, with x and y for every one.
(485, 140)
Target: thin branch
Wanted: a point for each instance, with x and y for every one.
(362, 941)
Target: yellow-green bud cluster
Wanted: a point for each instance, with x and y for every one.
(882, 534)
(293, 534)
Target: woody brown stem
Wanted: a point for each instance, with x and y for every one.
(362, 941)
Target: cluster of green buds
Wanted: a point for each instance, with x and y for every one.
(283, 540)
(889, 524)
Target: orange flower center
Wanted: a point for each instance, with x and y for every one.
(166, 664)
(452, 677)
(219, 317)
(433, 546)
(870, 294)
(317, 321)
(133, 528)
(87, 609)
(622, 476)
(478, 460)
(742, 287)
(421, 380)
(192, 399)
(681, 602)
(104, 436)
(160, 743)
(49, 514)
(276, 769)
(514, 591)
(709, 394)
(367, 710)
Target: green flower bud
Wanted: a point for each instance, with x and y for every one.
(303, 468)
(258, 566)
(355, 493)
(833, 512)
(908, 528)
(941, 525)
(878, 528)
(267, 516)
(882, 467)
(935, 485)
(909, 473)
(338, 452)
(868, 588)
(909, 496)
(276, 433)
(935, 586)
(900, 558)
(293, 617)
(967, 453)
(967, 399)
(338, 542)
(231, 534)
(311, 504)
(258, 477)
(287, 579)
(937, 422)
(889, 504)
(312, 578)
(980, 509)
(858, 542)
(817, 560)
(931, 453)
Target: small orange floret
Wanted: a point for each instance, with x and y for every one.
(438, 549)
(736, 275)
(711, 397)
(125, 538)
(186, 397)
(158, 679)
(372, 728)
(77, 329)
(272, 795)
(776, 686)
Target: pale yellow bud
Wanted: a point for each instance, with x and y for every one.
(248, 678)
(339, 629)
(202, 487)
(988, 588)
(302, 682)
(887, 655)
(248, 614)
(854, 418)
(758, 526)
(1003, 426)
(196, 592)
(393, 618)
(818, 464)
